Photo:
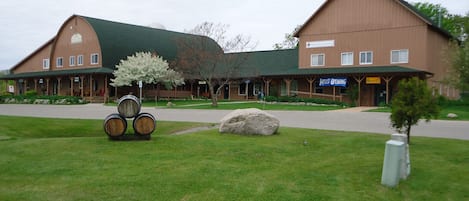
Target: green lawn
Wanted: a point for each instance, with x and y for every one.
(53, 159)
(461, 111)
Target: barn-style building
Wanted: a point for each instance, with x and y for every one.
(363, 45)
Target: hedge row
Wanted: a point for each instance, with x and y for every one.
(34, 99)
(292, 99)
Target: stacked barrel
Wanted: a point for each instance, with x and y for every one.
(115, 125)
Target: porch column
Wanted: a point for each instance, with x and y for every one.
(6, 85)
(71, 86)
(387, 80)
(47, 86)
(105, 94)
(91, 85)
(16, 87)
(267, 86)
(59, 79)
(82, 79)
(115, 92)
(35, 85)
(359, 80)
(288, 82)
(246, 91)
(25, 85)
(333, 93)
(311, 82)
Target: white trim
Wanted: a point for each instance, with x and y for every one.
(360, 58)
(70, 63)
(61, 62)
(97, 59)
(78, 60)
(401, 51)
(323, 59)
(342, 59)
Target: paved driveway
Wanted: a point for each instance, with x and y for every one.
(331, 120)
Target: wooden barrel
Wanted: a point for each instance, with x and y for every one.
(128, 106)
(115, 125)
(144, 124)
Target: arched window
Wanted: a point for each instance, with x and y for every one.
(76, 38)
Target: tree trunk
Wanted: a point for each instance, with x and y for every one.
(213, 95)
(408, 134)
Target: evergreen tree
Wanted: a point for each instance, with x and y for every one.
(412, 102)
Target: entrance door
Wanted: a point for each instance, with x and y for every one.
(226, 92)
(380, 95)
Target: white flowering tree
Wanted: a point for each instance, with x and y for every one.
(148, 68)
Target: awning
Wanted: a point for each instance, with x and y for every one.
(55, 73)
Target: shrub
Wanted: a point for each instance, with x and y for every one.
(31, 93)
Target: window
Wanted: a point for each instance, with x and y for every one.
(399, 56)
(366, 57)
(94, 59)
(317, 60)
(45, 63)
(72, 61)
(242, 89)
(80, 60)
(60, 62)
(317, 88)
(347, 58)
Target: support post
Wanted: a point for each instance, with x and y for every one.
(91, 86)
(267, 86)
(71, 86)
(25, 85)
(47, 86)
(35, 85)
(59, 83)
(82, 85)
(288, 82)
(387, 80)
(311, 82)
(105, 93)
(359, 80)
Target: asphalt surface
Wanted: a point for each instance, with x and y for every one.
(345, 120)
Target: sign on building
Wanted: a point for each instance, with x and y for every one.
(333, 82)
(11, 88)
(373, 80)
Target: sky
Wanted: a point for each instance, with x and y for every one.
(25, 25)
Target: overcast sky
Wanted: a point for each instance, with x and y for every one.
(25, 25)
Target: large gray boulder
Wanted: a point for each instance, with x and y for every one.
(250, 121)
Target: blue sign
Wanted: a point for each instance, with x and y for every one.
(333, 82)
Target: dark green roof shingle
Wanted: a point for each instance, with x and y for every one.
(119, 40)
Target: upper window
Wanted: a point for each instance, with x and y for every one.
(366, 57)
(346, 58)
(400, 56)
(317, 59)
(72, 61)
(80, 60)
(45, 63)
(76, 38)
(60, 62)
(94, 58)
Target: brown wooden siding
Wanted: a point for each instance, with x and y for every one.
(380, 42)
(64, 48)
(34, 62)
(359, 15)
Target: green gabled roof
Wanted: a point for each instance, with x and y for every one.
(119, 40)
(58, 73)
(262, 63)
(285, 63)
